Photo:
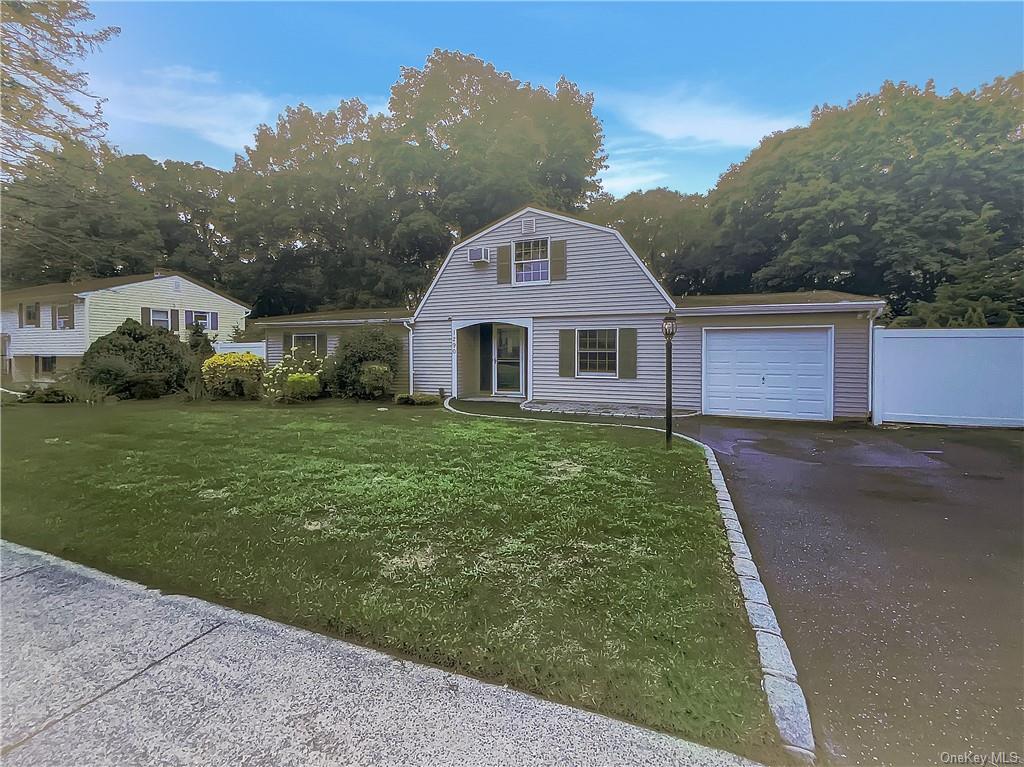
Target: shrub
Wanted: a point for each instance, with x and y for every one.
(199, 343)
(418, 398)
(150, 360)
(300, 361)
(45, 395)
(195, 386)
(78, 387)
(114, 373)
(146, 386)
(375, 379)
(300, 386)
(346, 372)
(233, 375)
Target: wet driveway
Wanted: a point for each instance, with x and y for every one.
(894, 560)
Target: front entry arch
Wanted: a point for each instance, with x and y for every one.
(492, 357)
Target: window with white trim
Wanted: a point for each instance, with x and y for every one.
(531, 261)
(597, 352)
(65, 316)
(160, 318)
(202, 319)
(305, 341)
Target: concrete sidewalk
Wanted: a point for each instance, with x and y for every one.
(100, 671)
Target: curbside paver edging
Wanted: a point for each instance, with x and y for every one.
(786, 699)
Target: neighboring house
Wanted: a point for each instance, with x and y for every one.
(46, 329)
(541, 307)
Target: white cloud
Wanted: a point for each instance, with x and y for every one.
(696, 119)
(190, 100)
(625, 176)
(184, 73)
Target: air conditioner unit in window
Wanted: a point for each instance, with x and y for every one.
(480, 255)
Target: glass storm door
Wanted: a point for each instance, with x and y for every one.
(508, 359)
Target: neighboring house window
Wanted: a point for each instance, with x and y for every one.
(202, 319)
(47, 364)
(8, 366)
(305, 341)
(531, 261)
(160, 318)
(32, 314)
(597, 352)
(65, 316)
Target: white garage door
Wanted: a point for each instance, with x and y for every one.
(768, 373)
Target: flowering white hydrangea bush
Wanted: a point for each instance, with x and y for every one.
(296, 361)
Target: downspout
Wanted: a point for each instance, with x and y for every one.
(408, 326)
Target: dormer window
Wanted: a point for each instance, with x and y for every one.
(531, 261)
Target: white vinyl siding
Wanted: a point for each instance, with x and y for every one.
(648, 388)
(601, 276)
(432, 356)
(110, 307)
(44, 340)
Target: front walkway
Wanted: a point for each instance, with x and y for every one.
(100, 671)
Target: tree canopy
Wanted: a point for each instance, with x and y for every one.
(46, 100)
(902, 193)
(897, 194)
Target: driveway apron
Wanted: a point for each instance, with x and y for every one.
(893, 558)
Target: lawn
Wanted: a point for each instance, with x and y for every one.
(582, 564)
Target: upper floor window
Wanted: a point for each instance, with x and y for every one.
(597, 352)
(160, 318)
(65, 316)
(532, 261)
(32, 314)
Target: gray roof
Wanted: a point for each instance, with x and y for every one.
(102, 283)
(771, 299)
(386, 314)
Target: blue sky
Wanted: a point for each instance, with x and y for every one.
(683, 90)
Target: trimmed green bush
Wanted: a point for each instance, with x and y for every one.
(300, 386)
(418, 398)
(347, 372)
(137, 359)
(234, 375)
(375, 379)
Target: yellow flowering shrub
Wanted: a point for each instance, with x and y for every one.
(234, 375)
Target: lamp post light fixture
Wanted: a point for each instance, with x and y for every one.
(668, 329)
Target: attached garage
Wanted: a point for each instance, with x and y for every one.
(795, 356)
(783, 372)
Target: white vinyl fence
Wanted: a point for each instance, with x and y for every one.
(258, 348)
(948, 376)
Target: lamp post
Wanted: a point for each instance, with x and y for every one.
(668, 329)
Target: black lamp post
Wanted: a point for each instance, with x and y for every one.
(668, 329)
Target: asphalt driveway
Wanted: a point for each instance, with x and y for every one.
(895, 561)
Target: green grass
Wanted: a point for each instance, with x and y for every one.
(582, 564)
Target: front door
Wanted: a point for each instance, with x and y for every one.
(508, 359)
